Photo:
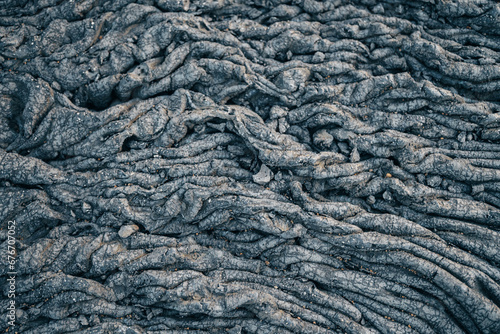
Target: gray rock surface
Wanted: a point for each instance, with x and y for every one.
(138, 145)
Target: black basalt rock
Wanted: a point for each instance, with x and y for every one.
(176, 166)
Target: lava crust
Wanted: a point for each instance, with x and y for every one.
(266, 166)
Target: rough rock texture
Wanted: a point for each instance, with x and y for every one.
(266, 166)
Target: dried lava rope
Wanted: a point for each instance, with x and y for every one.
(251, 166)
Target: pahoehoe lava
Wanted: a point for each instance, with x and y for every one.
(260, 166)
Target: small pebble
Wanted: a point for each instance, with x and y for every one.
(127, 230)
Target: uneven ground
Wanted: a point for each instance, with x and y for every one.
(251, 166)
